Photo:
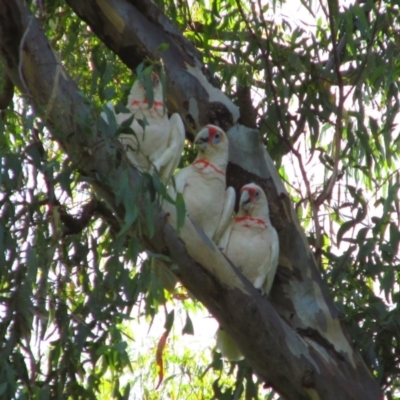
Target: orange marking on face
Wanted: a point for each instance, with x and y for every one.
(248, 221)
(207, 163)
(145, 101)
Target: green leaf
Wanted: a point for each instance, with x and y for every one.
(180, 211)
(149, 214)
(127, 391)
(108, 93)
(169, 321)
(188, 328)
(64, 177)
(143, 122)
(3, 388)
(130, 218)
(128, 122)
(361, 21)
(108, 125)
(146, 79)
(346, 226)
(163, 47)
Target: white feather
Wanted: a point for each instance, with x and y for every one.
(252, 244)
(157, 141)
(203, 183)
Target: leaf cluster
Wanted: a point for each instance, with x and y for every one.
(325, 97)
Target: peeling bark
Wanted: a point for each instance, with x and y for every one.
(296, 341)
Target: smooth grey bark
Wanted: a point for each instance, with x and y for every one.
(296, 342)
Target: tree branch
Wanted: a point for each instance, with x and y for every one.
(317, 362)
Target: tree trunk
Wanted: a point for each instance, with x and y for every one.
(295, 340)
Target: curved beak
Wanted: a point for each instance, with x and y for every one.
(245, 200)
(201, 140)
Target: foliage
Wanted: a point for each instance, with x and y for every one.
(326, 100)
(337, 114)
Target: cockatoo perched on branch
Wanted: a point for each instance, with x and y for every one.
(158, 141)
(203, 184)
(252, 244)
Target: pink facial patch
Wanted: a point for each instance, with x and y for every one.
(212, 131)
(252, 191)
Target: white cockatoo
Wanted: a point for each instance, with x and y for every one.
(157, 141)
(252, 244)
(203, 186)
(203, 183)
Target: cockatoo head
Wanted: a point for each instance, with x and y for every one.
(212, 143)
(138, 98)
(253, 202)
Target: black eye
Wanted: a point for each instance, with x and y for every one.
(257, 195)
(217, 138)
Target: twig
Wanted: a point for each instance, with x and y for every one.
(339, 120)
(369, 46)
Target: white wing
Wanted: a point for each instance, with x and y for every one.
(225, 237)
(226, 215)
(271, 262)
(167, 163)
(180, 180)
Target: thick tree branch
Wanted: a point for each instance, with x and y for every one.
(297, 344)
(112, 22)
(6, 90)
